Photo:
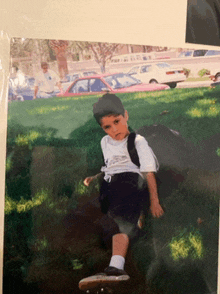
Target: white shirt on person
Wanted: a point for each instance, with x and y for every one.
(46, 81)
(117, 158)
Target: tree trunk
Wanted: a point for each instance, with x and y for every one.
(59, 47)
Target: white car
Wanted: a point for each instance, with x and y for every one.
(212, 53)
(192, 53)
(160, 72)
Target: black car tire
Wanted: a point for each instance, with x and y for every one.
(153, 82)
(172, 85)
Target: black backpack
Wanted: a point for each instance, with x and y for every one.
(132, 149)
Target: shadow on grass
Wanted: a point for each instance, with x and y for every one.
(66, 238)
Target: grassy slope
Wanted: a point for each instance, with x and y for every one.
(193, 112)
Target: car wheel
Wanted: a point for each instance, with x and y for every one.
(217, 78)
(172, 85)
(153, 82)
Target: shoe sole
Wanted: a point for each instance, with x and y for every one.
(101, 281)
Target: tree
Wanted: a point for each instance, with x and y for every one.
(102, 52)
(60, 49)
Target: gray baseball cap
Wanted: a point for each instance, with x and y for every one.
(106, 105)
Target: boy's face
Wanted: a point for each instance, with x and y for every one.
(115, 126)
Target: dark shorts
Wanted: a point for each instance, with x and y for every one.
(125, 197)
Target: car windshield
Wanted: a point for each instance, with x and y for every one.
(118, 81)
(163, 65)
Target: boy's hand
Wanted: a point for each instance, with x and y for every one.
(88, 180)
(156, 209)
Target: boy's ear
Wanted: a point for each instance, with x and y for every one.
(126, 115)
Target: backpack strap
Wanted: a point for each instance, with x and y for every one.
(132, 149)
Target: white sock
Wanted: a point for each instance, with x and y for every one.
(117, 261)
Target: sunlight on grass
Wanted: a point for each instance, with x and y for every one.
(140, 95)
(212, 111)
(22, 140)
(187, 245)
(179, 248)
(196, 112)
(9, 162)
(10, 205)
(58, 205)
(80, 97)
(41, 244)
(81, 189)
(24, 205)
(196, 244)
(76, 264)
(206, 101)
(46, 109)
(206, 108)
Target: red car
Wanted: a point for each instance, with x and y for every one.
(114, 83)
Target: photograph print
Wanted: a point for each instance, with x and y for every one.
(87, 211)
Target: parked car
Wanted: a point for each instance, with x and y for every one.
(192, 53)
(212, 53)
(160, 72)
(24, 91)
(21, 92)
(72, 77)
(131, 57)
(89, 73)
(114, 83)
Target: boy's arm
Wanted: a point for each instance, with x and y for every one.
(88, 180)
(155, 207)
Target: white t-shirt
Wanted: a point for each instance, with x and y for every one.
(46, 81)
(117, 159)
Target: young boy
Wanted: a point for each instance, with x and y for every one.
(124, 183)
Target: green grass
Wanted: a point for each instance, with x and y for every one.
(193, 112)
(68, 125)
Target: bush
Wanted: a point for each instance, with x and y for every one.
(186, 71)
(203, 72)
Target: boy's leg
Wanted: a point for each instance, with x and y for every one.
(120, 244)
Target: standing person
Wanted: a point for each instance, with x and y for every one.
(126, 188)
(45, 82)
